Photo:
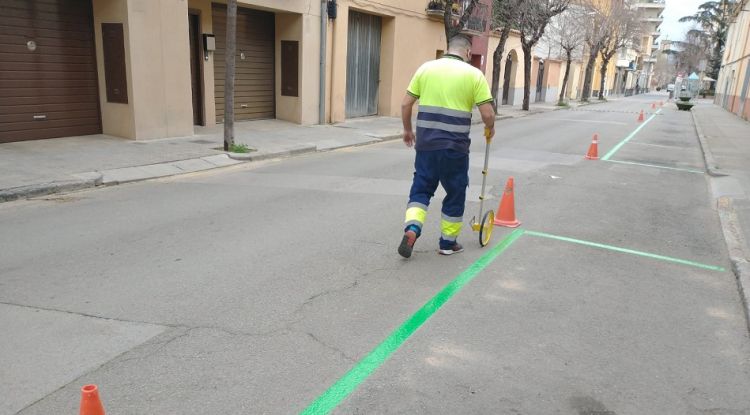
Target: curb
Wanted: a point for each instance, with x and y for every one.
(43, 189)
(738, 252)
(174, 168)
(261, 155)
(730, 226)
(708, 157)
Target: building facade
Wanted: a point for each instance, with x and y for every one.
(650, 15)
(733, 86)
(148, 69)
(145, 69)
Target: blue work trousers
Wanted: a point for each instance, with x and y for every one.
(450, 169)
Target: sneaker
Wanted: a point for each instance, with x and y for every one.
(407, 244)
(456, 248)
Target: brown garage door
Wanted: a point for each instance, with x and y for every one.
(48, 81)
(254, 79)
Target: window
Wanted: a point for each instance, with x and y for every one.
(115, 76)
(289, 68)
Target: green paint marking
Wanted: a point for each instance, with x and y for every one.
(331, 398)
(657, 166)
(627, 251)
(629, 137)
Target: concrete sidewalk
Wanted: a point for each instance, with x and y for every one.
(37, 168)
(725, 140)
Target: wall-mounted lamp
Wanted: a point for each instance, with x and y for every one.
(332, 6)
(209, 44)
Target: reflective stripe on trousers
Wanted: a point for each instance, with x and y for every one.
(450, 169)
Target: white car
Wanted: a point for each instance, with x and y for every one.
(670, 87)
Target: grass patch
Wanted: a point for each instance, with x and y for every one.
(239, 148)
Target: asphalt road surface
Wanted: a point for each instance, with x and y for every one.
(276, 287)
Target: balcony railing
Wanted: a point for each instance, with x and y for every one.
(478, 20)
(477, 23)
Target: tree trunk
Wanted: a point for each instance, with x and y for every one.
(526, 76)
(497, 60)
(602, 73)
(447, 22)
(588, 77)
(231, 49)
(561, 101)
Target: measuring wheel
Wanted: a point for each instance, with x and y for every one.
(485, 228)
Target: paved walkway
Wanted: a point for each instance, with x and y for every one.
(725, 139)
(35, 168)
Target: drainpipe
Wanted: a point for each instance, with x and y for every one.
(323, 40)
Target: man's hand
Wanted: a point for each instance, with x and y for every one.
(488, 117)
(491, 132)
(409, 138)
(406, 106)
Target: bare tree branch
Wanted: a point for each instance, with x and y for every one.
(504, 18)
(565, 38)
(533, 18)
(624, 28)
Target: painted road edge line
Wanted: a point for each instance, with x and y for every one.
(630, 136)
(332, 397)
(627, 251)
(656, 166)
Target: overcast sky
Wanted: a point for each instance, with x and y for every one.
(671, 28)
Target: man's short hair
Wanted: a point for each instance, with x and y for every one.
(459, 42)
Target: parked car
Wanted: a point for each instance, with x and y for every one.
(670, 87)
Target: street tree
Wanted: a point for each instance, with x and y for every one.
(688, 54)
(505, 19)
(533, 18)
(565, 34)
(595, 35)
(624, 29)
(713, 17)
(231, 49)
(664, 69)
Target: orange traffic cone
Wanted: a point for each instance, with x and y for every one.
(593, 153)
(661, 103)
(506, 215)
(653, 105)
(90, 403)
(640, 117)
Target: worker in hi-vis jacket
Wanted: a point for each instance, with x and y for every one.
(447, 90)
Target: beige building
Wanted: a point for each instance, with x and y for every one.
(147, 69)
(546, 72)
(733, 86)
(650, 14)
(144, 69)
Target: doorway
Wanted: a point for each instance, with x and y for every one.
(196, 65)
(506, 79)
(363, 65)
(540, 82)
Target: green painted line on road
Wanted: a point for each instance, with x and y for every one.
(627, 251)
(331, 398)
(630, 136)
(656, 166)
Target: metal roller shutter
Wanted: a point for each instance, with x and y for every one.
(48, 79)
(254, 79)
